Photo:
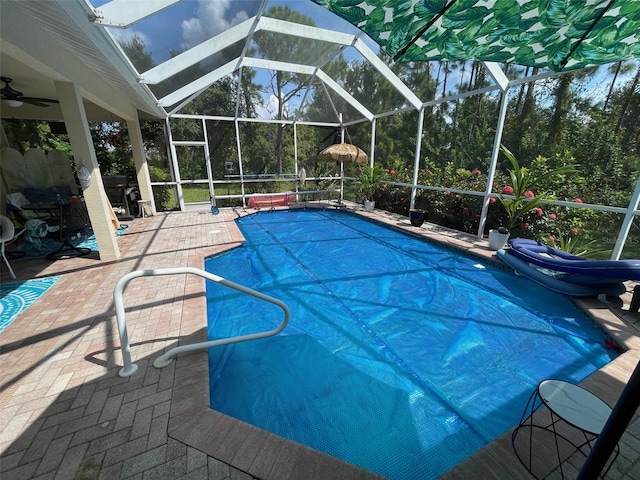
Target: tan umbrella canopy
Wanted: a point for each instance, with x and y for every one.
(343, 152)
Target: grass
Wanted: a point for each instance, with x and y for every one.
(195, 193)
(200, 193)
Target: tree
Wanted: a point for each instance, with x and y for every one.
(285, 85)
(135, 50)
(25, 134)
(561, 106)
(628, 96)
(523, 108)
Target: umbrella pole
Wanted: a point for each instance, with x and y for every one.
(341, 182)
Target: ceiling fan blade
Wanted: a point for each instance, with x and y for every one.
(37, 99)
(9, 93)
(33, 101)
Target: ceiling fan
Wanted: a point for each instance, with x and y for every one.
(15, 98)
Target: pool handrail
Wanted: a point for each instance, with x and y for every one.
(165, 359)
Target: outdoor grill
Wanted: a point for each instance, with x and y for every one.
(119, 193)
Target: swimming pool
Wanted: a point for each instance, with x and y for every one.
(401, 356)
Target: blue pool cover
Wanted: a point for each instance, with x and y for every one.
(401, 356)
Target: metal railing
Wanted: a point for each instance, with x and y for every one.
(166, 358)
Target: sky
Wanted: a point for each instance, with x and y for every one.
(191, 22)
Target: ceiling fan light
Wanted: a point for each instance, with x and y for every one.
(12, 103)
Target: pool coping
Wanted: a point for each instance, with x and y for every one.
(265, 455)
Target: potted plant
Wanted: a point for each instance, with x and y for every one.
(517, 197)
(368, 181)
(418, 216)
(498, 238)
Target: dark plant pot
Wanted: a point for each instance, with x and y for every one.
(417, 217)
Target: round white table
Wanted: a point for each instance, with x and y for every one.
(574, 405)
(566, 403)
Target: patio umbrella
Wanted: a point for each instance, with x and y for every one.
(343, 152)
(554, 34)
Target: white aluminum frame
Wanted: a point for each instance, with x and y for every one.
(114, 14)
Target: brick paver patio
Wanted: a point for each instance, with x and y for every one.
(65, 413)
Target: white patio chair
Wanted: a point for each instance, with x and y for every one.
(8, 235)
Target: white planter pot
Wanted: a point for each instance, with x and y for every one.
(497, 240)
(369, 205)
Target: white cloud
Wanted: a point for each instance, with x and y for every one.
(209, 21)
(269, 110)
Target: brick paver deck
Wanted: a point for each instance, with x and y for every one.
(65, 413)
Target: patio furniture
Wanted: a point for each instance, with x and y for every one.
(44, 210)
(73, 221)
(8, 235)
(119, 193)
(144, 208)
(582, 414)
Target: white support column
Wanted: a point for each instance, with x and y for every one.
(142, 168)
(503, 82)
(416, 160)
(295, 155)
(208, 166)
(341, 197)
(494, 160)
(75, 119)
(373, 141)
(240, 167)
(626, 223)
(174, 166)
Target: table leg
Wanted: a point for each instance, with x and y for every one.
(533, 404)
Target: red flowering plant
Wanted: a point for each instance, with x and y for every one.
(518, 198)
(391, 197)
(566, 230)
(446, 207)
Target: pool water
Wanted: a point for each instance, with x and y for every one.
(401, 356)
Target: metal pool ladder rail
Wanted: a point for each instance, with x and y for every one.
(165, 359)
